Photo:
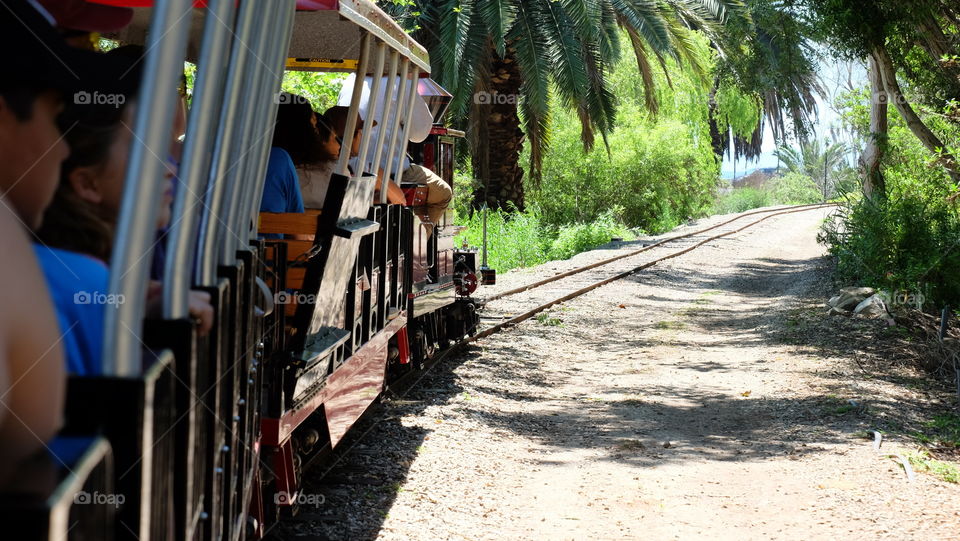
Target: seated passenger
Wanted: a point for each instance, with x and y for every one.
(134, 54)
(439, 193)
(311, 145)
(337, 116)
(79, 225)
(32, 371)
(281, 189)
(315, 177)
(33, 88)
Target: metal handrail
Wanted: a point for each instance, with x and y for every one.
(388, 108)
(241, 154)
(343, 162)
(197, 152)
(272, 82)
(371, 112)
(144, 184)
(405, 87)
(404, 137)
(212, 222)
(264, 117)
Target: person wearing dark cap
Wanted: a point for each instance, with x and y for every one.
(40, 74)
(43, 75)
(337, 116)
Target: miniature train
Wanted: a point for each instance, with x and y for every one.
(189, 437)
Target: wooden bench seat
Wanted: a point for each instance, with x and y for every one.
(290, 225)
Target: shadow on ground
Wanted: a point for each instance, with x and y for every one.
(778, 309)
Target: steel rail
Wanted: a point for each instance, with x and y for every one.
(657, 244)
(399, 387)
(619, 276)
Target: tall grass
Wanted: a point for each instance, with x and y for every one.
(523, 239)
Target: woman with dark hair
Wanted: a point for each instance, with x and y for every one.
(300, 142)
(315, 176)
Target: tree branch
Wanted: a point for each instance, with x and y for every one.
(913, 120)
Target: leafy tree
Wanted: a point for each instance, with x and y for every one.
(502, 60)
(820, 162)
(321, 89)
(908, 40)
(659, 169)
(770, 59)
(794, 188)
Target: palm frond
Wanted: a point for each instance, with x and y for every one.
(498, 17)
(646, 70)
(535, 65)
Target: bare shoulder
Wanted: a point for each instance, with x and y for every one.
(31, 355)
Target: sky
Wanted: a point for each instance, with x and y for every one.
(836, 77)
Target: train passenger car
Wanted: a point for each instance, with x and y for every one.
(184, 436)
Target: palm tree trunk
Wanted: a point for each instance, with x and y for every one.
(873, 181)
(498, 168)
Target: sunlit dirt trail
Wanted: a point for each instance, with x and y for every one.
(683, 403)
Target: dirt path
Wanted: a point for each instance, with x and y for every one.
(700, 399)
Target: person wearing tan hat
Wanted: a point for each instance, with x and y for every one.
(337, 116)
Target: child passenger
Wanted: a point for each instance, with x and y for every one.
(78, 226)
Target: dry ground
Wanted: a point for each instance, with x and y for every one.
(706, 398)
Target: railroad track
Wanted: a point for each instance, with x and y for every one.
(531, 299)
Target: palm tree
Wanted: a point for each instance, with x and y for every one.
(772, 57)
(503, 59)
(819, 162)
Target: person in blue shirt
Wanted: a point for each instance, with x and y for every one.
(299, 141)
(281, 192)
(79, 295)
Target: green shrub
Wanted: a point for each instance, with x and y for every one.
(794, 189)
(905, 243)
(514, 240)
(576, 238)
(520, 239)
(742, 200)
(910, 240)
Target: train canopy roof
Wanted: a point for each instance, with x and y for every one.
(326, 33)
